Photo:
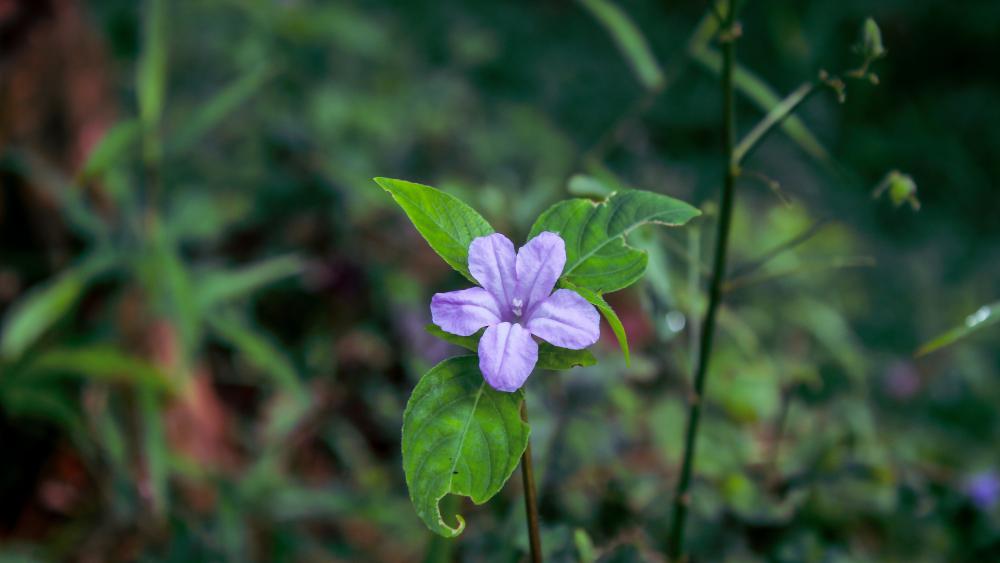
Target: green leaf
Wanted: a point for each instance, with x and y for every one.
(590, 187)
(101, 362)
(43, 306)
(629, 40)
(597, 255)
(220, 106)
(151, 74)
(556, 358)
(467, 342)
(167, 280)
(549, 356)
(49, 178)
(155, 451)
(985, 316)
(460, 436)
(115, 143)
(218, 287)
(259, 351)
(446, 223)
(596, 300)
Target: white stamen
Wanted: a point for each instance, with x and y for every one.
(516, 305)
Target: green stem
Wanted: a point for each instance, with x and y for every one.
(682, 497)
(775, 117)
(530, 499)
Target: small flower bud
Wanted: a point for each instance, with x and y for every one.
(870, 43)
(901, 187)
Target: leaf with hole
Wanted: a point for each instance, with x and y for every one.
(460, 436)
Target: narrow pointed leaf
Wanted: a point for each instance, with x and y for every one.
(101, 362)
(45, 305)
(151, 74)
(219, 287)
(629, 40)
(598, 257)
(219, 107)
(446, 223)
(985, 316)
(113, 146)
(460, 436)
(258, 351)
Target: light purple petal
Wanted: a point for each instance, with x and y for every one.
(491, 262)
(507, 354)
(464, 312)
(540, 262)
(567, 320)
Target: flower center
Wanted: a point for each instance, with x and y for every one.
(517, 306)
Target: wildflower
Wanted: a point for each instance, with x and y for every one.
(983, 489)
(515, 303)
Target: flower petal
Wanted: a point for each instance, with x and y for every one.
(491, 262)
(540, 262)
(507, 354)
(566, 320)
(464, 312)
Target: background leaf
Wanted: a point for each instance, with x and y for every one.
(218, 287)
(112, 147)
(460, 436)
(629, 40)
(446, 223)
(218, 107)
(985, 316)
(34, 313)
(101, 362)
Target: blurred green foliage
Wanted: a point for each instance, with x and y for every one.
(210, 325)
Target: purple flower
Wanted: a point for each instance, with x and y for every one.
(983, 489)
(515, 302)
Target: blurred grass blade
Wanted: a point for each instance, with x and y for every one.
(101, 362)
(41, 403)
(42, 307)
(164, 275)
(258, 351)
(765, 98)
(985, 316)
(151, 75)
(46, 177)
(219, 107)
(154, 448)
(112, 147)
(629, 40)
(219, 287)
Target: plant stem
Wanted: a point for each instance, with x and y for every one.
(682, 499)
(530, 500)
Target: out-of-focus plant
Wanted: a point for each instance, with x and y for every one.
(735, 152)
(134, 240)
